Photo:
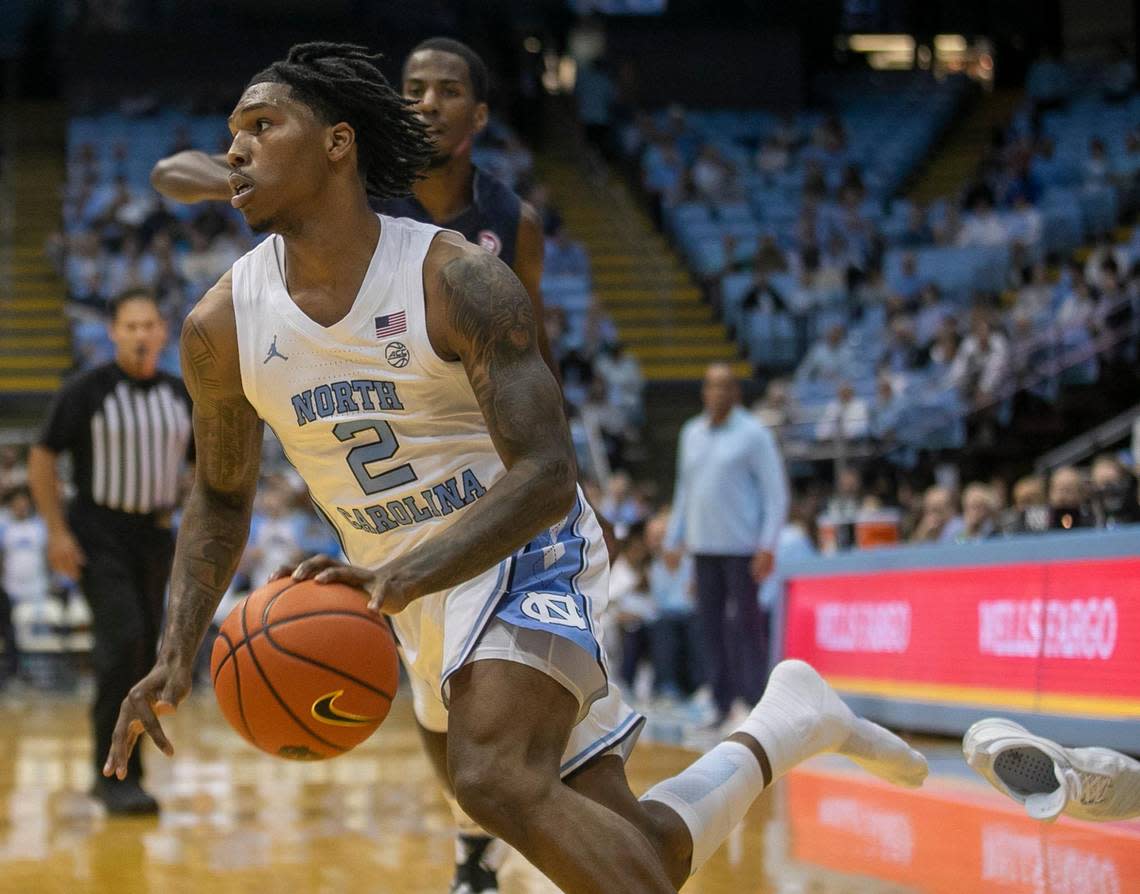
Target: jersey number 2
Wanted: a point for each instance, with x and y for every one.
(376, 451)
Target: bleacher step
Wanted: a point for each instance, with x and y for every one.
(689, 371)
(702, 351)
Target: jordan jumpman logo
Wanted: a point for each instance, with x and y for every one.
(273, 352)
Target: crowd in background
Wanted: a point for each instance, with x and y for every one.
(894, 320)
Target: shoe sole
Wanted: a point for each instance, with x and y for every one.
(1023, 764)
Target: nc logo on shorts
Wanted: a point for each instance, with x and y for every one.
(553, 608)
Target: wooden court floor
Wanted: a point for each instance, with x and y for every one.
(372, 822)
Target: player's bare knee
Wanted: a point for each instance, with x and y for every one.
(496, 787)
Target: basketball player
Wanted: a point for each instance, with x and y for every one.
(447, 81)
(447, 469)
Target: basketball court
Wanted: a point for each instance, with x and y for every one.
(372, 821)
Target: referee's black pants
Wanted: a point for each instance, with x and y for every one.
(124, 580)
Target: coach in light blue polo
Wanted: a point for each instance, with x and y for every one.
(729, 504)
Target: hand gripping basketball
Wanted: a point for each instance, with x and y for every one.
(388, 592)
(158, 693)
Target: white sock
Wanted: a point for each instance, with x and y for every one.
(711, 796)
(801, 716)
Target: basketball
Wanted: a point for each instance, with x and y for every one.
(303, 670)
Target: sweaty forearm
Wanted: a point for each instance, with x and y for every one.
(192, 176)
(211, 538)
(531, 496)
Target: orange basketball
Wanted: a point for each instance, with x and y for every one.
(303, 670)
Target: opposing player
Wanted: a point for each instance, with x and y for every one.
(1047, 779)
(446, 467)
(448, 83)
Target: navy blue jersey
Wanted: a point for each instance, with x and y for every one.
(491, 220)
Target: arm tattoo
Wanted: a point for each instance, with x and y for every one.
(491, 326)
(215, 525)
(491, 314)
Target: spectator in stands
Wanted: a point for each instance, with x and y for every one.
(595, 93)
(901, 353)
(1105, 256)
(131, 268)
(1068, 505)
(621, 505)
(1029, 513)
(983, 226)
(948, 230)
(887, 408)
(621, 373)
(1029, 351)
(275, 539)
(1035, 298)
(635, 611)
(674, 634)
(597, 332)
(828, 360)
(554, 321)
(23, 550)
(1023, 228)
(847, 500)
(775, 409)
(565, 256)
(1077, 312)
(729, 505)
(169, 284)
(664, 178)
(84, 264)
(1114, 493)
(13, 469)
(607, 420)
(917, 232)
(1097, 167)
(939, 522)
(770, 258)
(932, 311)
(83, 167)
(982, 363)
(845, 418)
(979, 513)
(940, 356)
(772, 157)
(907, 282)
(713, 176)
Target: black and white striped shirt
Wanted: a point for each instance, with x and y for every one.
(128, 438)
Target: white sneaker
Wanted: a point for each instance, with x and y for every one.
(1095, 784)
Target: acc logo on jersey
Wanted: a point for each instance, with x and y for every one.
(553, 608)
(397, 354)
(490, 240)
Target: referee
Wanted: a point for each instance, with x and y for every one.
(127, 428)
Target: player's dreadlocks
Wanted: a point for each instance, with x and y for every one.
(343, 82)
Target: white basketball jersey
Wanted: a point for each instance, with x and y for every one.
(387, 435)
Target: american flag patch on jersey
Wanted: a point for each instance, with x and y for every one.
(391, 324)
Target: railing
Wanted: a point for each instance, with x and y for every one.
(1053, 360)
